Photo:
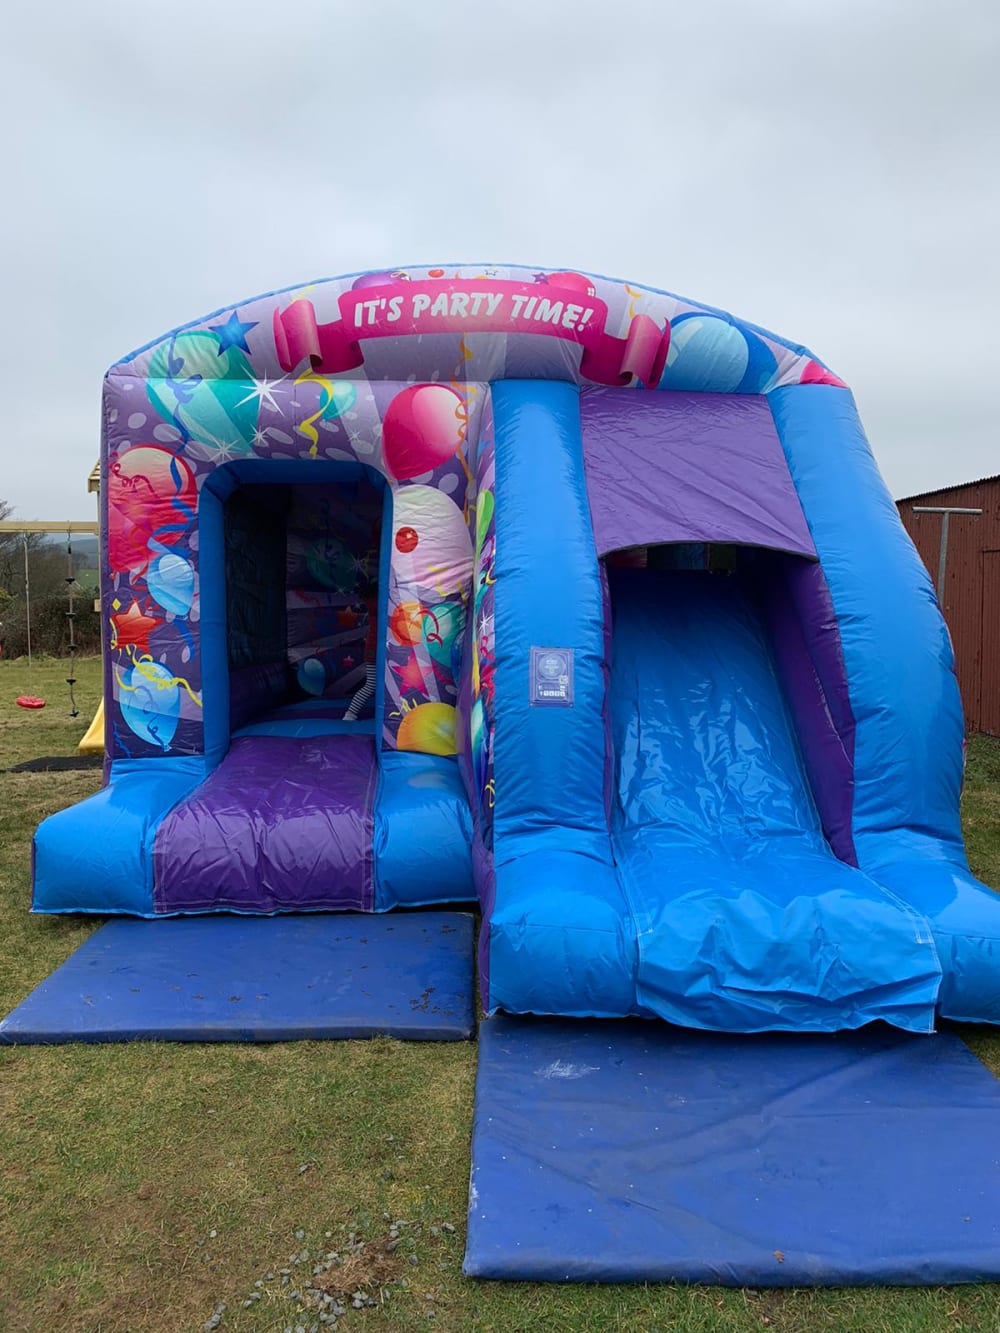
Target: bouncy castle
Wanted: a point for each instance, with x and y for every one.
(552, 590)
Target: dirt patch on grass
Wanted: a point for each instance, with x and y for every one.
(371, 1269)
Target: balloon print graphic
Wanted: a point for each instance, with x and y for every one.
(151, 502)
(150, 701)
(422, 428)
(311, 675)
(170, 580)
(429, 728)
(406, 623)
(204, 384)
(442, 629)
(431, 547)
(713, 355)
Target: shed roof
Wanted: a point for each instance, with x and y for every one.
(938, 490)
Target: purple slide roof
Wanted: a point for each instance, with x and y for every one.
(688, 467)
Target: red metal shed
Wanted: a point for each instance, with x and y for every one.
(970, 596)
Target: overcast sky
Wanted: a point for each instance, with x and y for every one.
(830, 171)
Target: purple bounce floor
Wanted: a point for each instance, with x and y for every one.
(281, 825)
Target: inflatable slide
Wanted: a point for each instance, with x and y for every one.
(554, 591)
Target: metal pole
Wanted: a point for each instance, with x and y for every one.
(27, 600)
(943, 556)
(946, 512)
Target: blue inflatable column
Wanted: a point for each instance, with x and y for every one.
(561, 938)
(904, 695)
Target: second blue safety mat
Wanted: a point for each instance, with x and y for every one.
(629, 1151)
(255, 979)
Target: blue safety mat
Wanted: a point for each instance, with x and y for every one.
(630, 1151)
(241, 978)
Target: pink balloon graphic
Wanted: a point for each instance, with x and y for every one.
(422, 428)
(151, 495)
(576, 282)
(814, 373)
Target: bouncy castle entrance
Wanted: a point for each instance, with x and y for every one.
(302, 586)
(286, 820)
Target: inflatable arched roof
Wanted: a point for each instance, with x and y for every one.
(546, 588)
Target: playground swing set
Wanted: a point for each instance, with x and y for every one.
(34, 702)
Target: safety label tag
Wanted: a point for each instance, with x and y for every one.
(552, 677)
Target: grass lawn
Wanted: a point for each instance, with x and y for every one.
(142, 1185)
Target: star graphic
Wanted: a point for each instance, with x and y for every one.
(363, 442)
(232, 334)
(133, 628)
(263, 391)
(409, 675)
(224, 451)
(541, 277)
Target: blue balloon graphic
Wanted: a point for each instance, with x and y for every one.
(707, 354)
(151, 703)
(170, 579)
(312, 676)
(760, 368)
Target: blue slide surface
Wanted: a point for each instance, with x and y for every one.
(745, 921)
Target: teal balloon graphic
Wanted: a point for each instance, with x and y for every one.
(477, 721)
(151, 703)
(311, 676)
(170, 579)
(477, 740)
(341, 398)
(207, 391)
(440, 641)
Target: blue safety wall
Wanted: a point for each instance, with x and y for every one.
(558, 938)
(904, 695)
(99, 853)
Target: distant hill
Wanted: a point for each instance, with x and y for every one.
(85, 548)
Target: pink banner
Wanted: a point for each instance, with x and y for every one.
(476, 305)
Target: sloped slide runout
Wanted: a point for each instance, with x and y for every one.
(744, 919)
(630, 1151)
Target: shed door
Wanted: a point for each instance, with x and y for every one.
(989, 694)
